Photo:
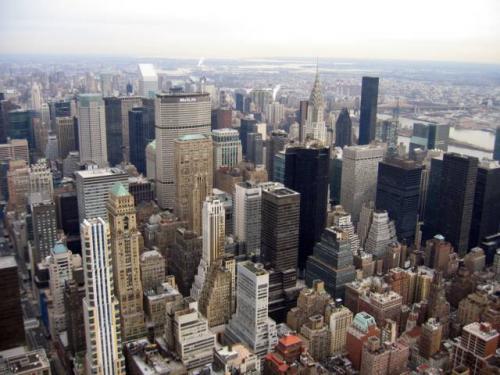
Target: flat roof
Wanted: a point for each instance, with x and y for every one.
(8, 261)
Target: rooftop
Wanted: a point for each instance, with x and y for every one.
(8, 262)
(60, 248)
(119, 190)
(192, 137)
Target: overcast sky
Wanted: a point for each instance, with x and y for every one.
(452, 30)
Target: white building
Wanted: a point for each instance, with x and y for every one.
(92, 189)
(36, 97)
(247, 215)
(100, 306)
(194, 342)
(176, 115)
(359, 177)
(251, 324)
(315, 122)
(275, 114)
(40, 177)
(381, 233)
(227, 148)
(148, 80)
(60, 270)
(92, 129)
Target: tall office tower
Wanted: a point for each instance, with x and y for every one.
(387, 132)
(141, 131)
(36, 97)
(458, 182)
(250, 324)
(66, 140)
(335, 175)
(100, 306)
(117, 125)
(261, 98)
(152, 265)
(194, 342)
(301, 118)
(425, 181)
(5, 107)
(11, 313)
(359, 177)
(45, 115)
(71, 164)
(496, 151)
(193, 170)
(280, 229)
(74, 292)
(398, 190)
(185, 258)
(60, 270)
(92, 129)
(485, 213)
(246, 126)
(239, 101)
(51, 150)
(247, 216)
(92, 188)
(44, 221)
(363, 327)
(227, 148)
(18, 185)
(227, 201)
(430, 338)
(213, 240)
(148, 80)
(381, 233)
(368, 110)
(151, 160)
(306, 172)
(20, 126)
(60, 108)
(275, 114)
(429, 136)
(315, 122)
(343, 129)
(432, 214)
(276, 143)
(342, 219)
(125, 248)
(222, 118)
(332, 262)
(176, 115)
(40, 177)
(339, 319)
(477, 344)
(255, 148)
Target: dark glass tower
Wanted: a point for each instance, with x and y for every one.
(240, 101)
(332, 262)
(496, 150)
(368, 115)
(343, 129)
(398, 191)
(114, 141)
(306, 172)
(432, 216)
(141, 132)
(255, 148)
(486, 211)
(458, 183)
(429, 137)
(246, 126)
(276, 143)
(21, 127)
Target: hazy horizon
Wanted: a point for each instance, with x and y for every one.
(434, 31)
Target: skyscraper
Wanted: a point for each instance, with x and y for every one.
(429, 136)
(60, 270)
(247, 216)
(44, 221)
(92, 130)
(315, 123)
(101, 309)
(485, 213)
(458, 182)
(246, 126)
(227, 148)
(276, 143)
(141, 131)
(306, 172)
(255, 148)
(331, 262)
(92, 187)
(65, 129)
(176, 115)
(36, 97)
(20, 126)
(359, 177)
(193, 166)
(387, 132)
(368, 108)
(398, 190)
(496, 151)
(275, 114)
(250, 324)
(125, 249)
(343, 129)
(148, 80)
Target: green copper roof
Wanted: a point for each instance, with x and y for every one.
(192, 137)
(119, 190)
(60, 248)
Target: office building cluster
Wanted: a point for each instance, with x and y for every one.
(192, 229)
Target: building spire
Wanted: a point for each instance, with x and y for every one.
(316, 98)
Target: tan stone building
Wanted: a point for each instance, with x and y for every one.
(125, 244)
(193, 165)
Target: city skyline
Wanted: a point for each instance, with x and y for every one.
(454, 31)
